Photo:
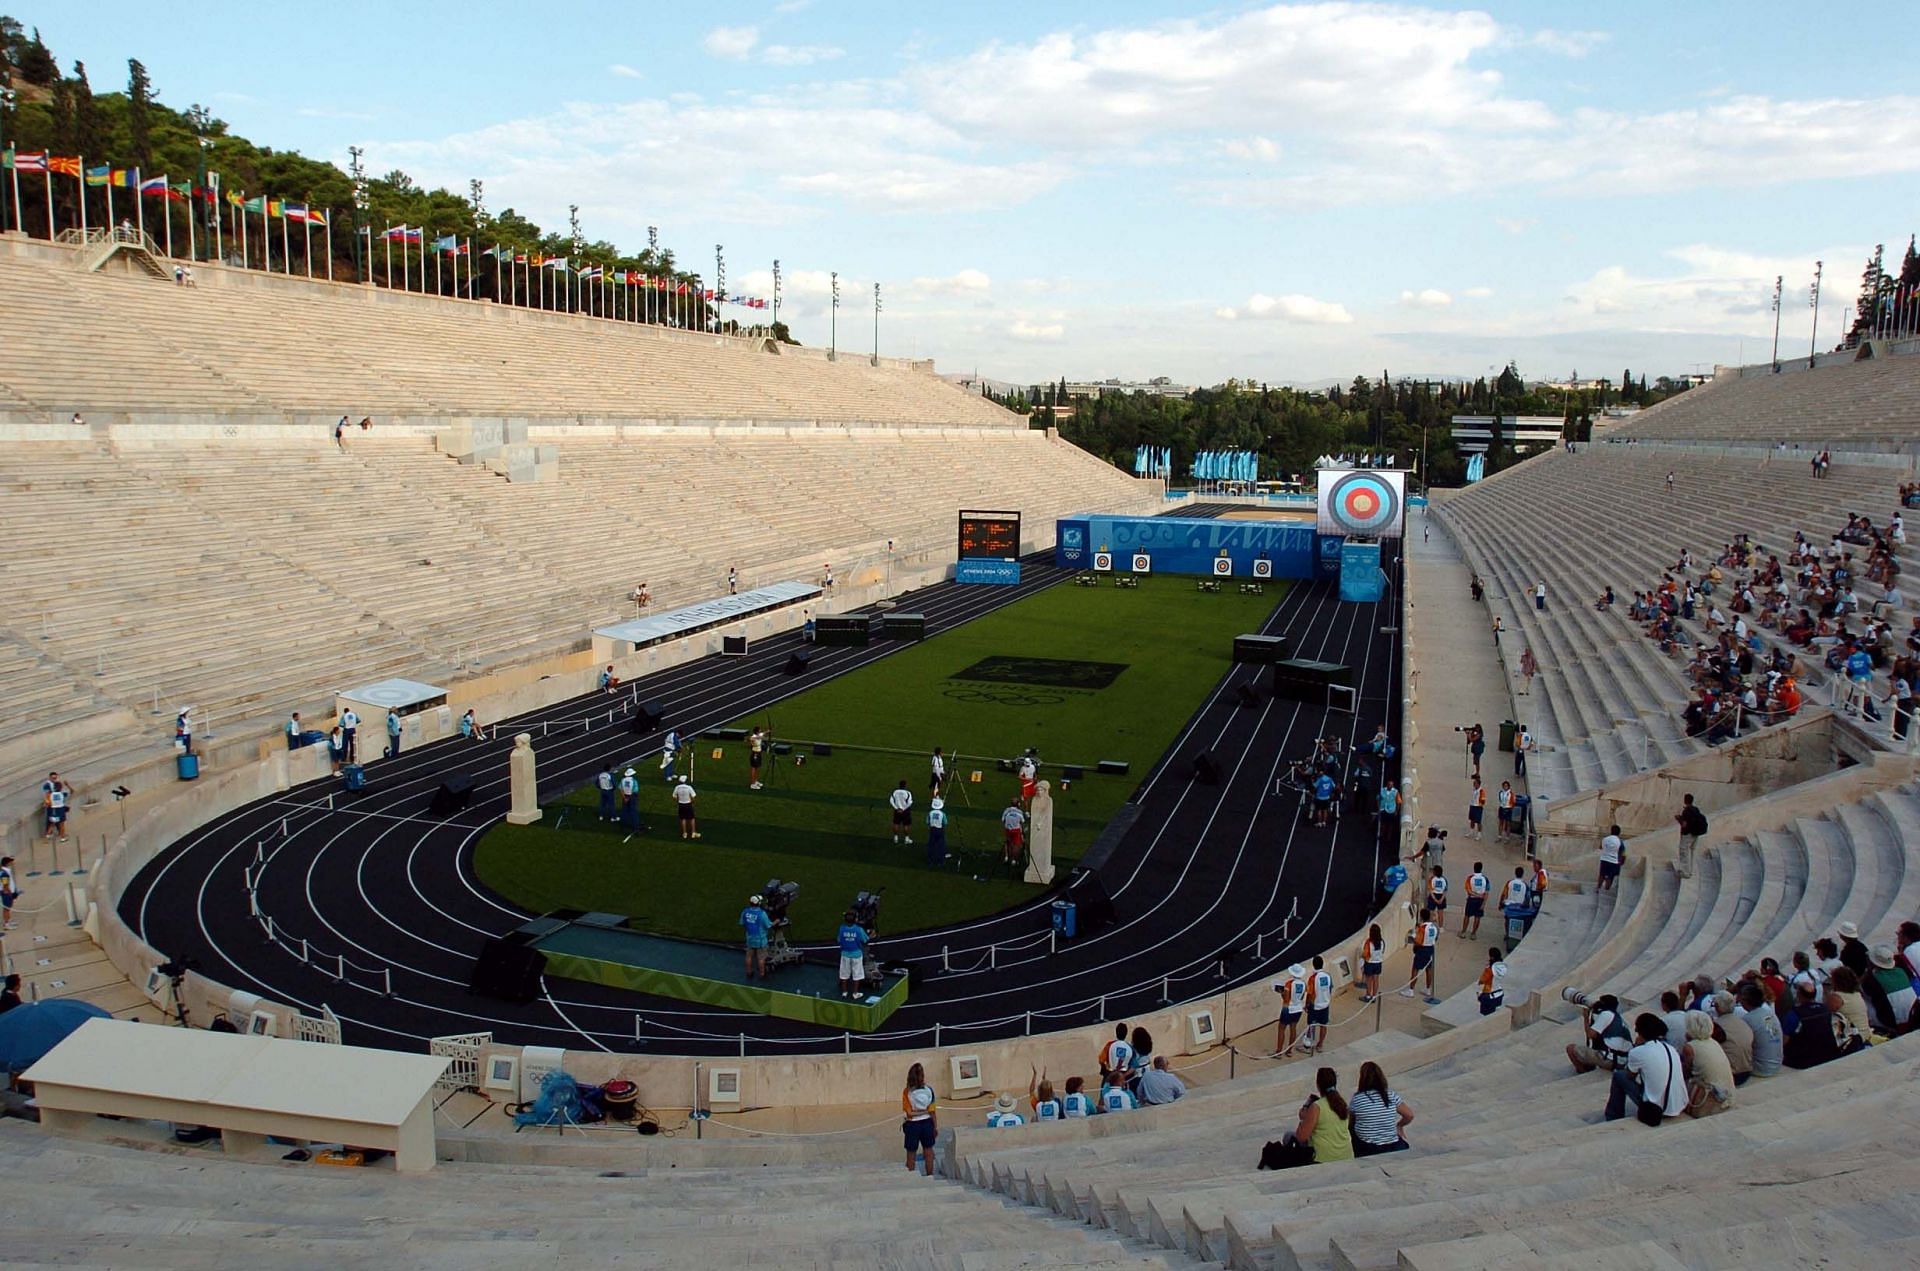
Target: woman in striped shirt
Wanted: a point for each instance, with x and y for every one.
(1379, 1115)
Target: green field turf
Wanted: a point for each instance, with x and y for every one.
(1159, 648)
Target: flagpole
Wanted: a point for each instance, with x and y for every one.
(191, 253)
(166, 210)
(329, 238)
(48, 174)
(109, 196)
(387, 242)
(306, 243)
(246, 239)
(286, 243)
(80, 186)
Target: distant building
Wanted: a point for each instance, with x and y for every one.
(1158, 386)
(1472, 432)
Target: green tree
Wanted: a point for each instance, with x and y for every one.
(139, 114)
(36, 63)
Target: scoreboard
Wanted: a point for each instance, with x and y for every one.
(989, 535)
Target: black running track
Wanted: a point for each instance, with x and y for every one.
(380, 881)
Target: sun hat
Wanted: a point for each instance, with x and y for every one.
(1849, 932)
(1881, 956)
(1005, 1102)
(1297, 971)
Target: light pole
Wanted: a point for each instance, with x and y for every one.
(7, 98)
(876, 324)
(1778, 279)
(1813, 340)
(358, 172)
(653, 262)
(833, 320)
(719, 283)
(776, 297)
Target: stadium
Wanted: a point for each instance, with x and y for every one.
(510, 752)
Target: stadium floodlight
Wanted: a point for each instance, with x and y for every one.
(1813, 340)
(833, 321)
(776, 293)
(876, 324)
(1779, 280)
(7, 98)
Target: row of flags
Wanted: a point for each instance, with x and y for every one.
(1152, 461)
(1476, 468)
(452, 245)
(1226, 465)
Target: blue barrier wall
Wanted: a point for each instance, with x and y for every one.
(992, 573)
(1186, 545)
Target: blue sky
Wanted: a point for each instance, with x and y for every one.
(1279, 193)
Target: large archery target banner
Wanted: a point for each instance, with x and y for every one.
(1362, 502)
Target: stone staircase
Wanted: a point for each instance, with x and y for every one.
(1875, 401)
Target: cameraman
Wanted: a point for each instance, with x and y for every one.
(1607, 1036)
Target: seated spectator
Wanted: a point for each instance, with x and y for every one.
(1605, 1040)
(1735, 1036)
(1005, 1112)
(1806, 973)
(1142, 1047)
(1709, 1071)
(1889, 992)
(1808, 1030)
(1652, 1074)
(1114, 1095)
(1849, 1007)
(9, 993)
(1040, 1097)
(1160, 1084)
(1323, 1134)
(1768, 1038)
(1772, 981)
(1853, 953)
(1076, 1104)
(1380, 1116)
(1673, 1013)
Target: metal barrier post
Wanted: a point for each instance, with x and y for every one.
(993, 956)
(342, 958)
(386, 978)
(303, 948)
(1029, 1023)
(936, 1034)
(1166, 989)
(944, 967)
(1103, 1008)
(743, 1045)
(846, 1042)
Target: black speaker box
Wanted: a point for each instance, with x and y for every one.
(508, 969)
(1204, 770)
(822, 748)
(797, 661)
(455, 793)
(1089, 895)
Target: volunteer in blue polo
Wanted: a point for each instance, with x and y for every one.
(853, 955)
(755, 922)
(1323, 788)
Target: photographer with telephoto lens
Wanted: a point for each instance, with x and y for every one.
(1606, 1036)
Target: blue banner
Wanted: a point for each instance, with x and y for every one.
(1190, 545)
(992, 573)
(1360, 576)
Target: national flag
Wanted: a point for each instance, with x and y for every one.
(446, 243)
(154, 185)
(315, 216)
(295, 212)
(235, 199)
(179, 191)
(620, 277)
(554, 262)
(590, 274)
(65, 166)
(30, 161)
(258, 204)
(520, 258)
(100, 175)
(124, 178)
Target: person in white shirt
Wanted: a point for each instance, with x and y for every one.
(901, 801)
(1319, 1005)
(1493, 983)
(349, 728)
(1013, 828)
(670, 751)
(683, 796)
(1116, 1098)
(1515, 895)
(1005, 1112)
(1650, 1075)
(1613, 853)
(293, 731)
(1478, 888)
(939, 772)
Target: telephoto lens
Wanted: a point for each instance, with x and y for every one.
(1578, 997)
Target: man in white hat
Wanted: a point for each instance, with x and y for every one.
(937, 831)
(630, 801)
(1006, 1112)
(1292, 988)
(1853, 951)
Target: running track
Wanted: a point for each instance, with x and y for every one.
(379, 880)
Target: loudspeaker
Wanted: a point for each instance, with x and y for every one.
(1203, 769)
(1247, 696)
(647, 715)
(1072, 772)
(508, 969)
(455, 792)
(822, 748)
(1112, 767)
(1089, 895)
(797, 661)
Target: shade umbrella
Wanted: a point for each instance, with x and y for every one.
(29, 1031)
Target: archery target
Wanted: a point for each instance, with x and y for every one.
(1222, 567)
(1263, 568)
(1142, 563)
(1103, 561)
(1364, 504)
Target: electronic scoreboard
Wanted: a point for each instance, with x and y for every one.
(989, 535)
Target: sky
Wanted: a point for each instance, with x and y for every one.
(1290, 193)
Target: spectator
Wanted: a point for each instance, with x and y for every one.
(1673, 1013)
(609, 682)
(920, 1112)
(1810, 1039)
(1116, 1056)
(1540, 595)
(1292, 988)
(293, 731)
(1493, 983)
(1735, 1036)
(1853, 953)
(1692, 826)
(1769, 1039)
(1324, 1133)
(1142, 1043)
(1889, 992)
(1319, 1005)
(393, 734)
(1075, 1105)
(470, 727)
(1613, 854)
(1373, 952)
(1709, 1071)
(1771, 981)
(1529, 667)
(1849, 1007)
(1040, 1097)
(1605, 1039)
(1907, 948)
(9, 892)
(9, 993)
(1005, 1113)
(1160, 1084)
(1651, 1076)
(1380, 1117)
(1114, 1095)
(1805, 973)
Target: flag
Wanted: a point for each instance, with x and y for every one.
(590, 274)
(446, 243)
(295, 212)
(554, 262)
(620, 277)
(30, 161)
(519, 258)
(259, 205)
(179, 191)
(100, 175)
(154, 185)
(66, 167)
(234, 199)
(316, 216)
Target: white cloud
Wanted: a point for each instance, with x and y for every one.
(967, 282)
(1567, 43)
(1426, 298)
(1712, 289)
(1253, 149)
(791, 6)
(734, 42)
(1516, 224)
(1294, 308)
(623, 71)
(1048, 334)
(1477, 293)
(1227, 314)
(800, 54)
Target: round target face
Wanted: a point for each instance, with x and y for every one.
(1103, 560)
(1142, 563)
(1222, 567)
(1263, 569)
(1362, 503)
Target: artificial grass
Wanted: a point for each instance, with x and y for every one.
(825, 822)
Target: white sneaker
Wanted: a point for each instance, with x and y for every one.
(1406, 992)
(754, 786)
(909, 841)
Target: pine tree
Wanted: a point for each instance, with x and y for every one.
(89, 133)
(1626, 382)
(37, 66)
(139, 114)
(1866, 307)
(1910, 269)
